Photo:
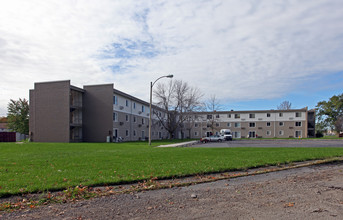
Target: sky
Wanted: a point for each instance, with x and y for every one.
(250, 54)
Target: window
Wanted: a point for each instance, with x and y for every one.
(268, 115)
(127, 103)
(142, 121)
(229, 115)
(134, 132)
(252, 124)
(134, 105)
(298, 123)
(127, 117)
(298, 114)
(280, 114)
(217, 116)
(237, 116)
(115, 100)
(134, 119)
(268, 124)
(196, 125)
(217, 124)
(281, 123)
(143, 108)
(237, 134)
(143, 135)
(195, 133)
(228, 124)
(252, 134)
(127, 133)
(269, 133)
(298, 134)
(209, 116)
(251, 115)
(237, 125)
(115, 116)
(281, 132)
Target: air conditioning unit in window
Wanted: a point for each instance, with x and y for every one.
(121, 107)
(139, 112)
(139, 125)
(121, 123)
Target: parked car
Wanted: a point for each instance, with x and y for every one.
(213, 138)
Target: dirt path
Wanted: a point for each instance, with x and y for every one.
(304, 193)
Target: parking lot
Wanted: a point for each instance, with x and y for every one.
(275, 143)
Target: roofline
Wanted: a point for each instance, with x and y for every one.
(252, 111)
(56, 81)
(77, 88)
(136, 99)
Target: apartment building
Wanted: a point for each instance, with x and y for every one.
(294, 123)
(131, 118)
(61, 112)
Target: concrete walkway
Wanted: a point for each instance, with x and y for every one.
(183, 144)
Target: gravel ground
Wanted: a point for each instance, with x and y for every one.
(314, 192)
(276, 143)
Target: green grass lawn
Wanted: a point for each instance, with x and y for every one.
(37, 167)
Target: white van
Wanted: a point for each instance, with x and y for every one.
(227, 134)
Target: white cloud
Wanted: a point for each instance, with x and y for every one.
(235, 49)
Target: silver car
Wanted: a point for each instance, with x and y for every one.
(213, 138)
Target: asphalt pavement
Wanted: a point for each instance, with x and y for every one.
(275, 143)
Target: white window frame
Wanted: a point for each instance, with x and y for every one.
(298, 124)
(297, 136)
(115, 116)
(115, 100)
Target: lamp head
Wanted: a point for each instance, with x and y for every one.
(170, 76)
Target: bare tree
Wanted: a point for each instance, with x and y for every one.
(285, 105)
(212, 105)
(178, 100)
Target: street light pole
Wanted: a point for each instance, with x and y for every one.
(151, 85)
